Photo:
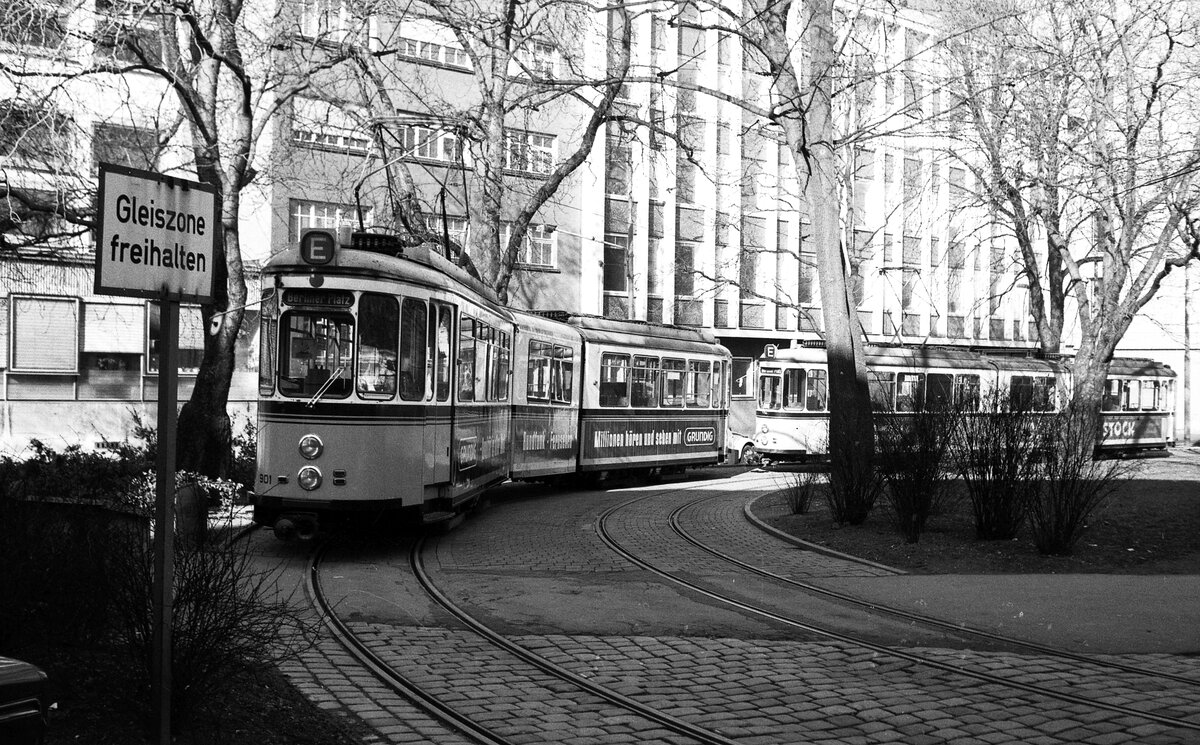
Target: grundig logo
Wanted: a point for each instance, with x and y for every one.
(699, 436)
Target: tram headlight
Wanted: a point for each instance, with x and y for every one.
(311, 447)
(309, 478)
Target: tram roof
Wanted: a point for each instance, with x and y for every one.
(651, 335)
(413, 264)
(1141, 367)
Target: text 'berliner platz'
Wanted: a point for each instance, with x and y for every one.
(156, 235)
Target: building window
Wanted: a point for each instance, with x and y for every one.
(333, 20)
(430, 143)
(126, 42)
(537, 250)
(427, 51)
(191, 339)
(29, 23)
(32, 137)
(616, 257)
(528, 152)
(685, 276)
(124, 146)
(110, 365)
(537, 59)
(324, 215)
(685, 179)
(45, 335)
(321, 125)
(458, 228)
(31, 217)
(618, 166)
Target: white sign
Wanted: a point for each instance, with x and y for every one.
(157, 236)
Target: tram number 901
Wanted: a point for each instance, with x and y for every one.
(264, 478)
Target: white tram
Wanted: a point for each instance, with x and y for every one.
(392, 380)
(792, 416)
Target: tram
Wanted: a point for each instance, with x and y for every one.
(393, 381)
(792, 414)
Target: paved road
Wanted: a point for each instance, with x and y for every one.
(533, 566)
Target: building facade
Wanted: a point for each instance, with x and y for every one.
(688, 210)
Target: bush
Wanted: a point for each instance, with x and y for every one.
(74, 473)
(852, 491)
(78, 575)
(914, 450)
(228, 613)
(1074, 485)
(996, 454)
(800, 490)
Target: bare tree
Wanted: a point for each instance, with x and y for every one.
(525, 63)
(1077, 117)
(223, 71)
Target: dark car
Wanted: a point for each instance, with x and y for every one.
(24, 703)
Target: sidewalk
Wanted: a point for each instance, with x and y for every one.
(1092, 613)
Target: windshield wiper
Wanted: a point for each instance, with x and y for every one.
(337, 374)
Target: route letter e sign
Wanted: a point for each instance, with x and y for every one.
(157, 236)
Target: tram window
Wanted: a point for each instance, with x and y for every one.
(614, 379)
(1112, 396)
(698, 393)
(718, 386)
(741, 374)
(645, 373)
(793, 389)
(1032, 394)
(502, 351)
(414, 323)
(317, 350)
(1150, 395)
(378, 323)
(466, 359)
(485, 361)
(939, 390)
(883, 391)
(562, 375)
(818, 391)
(673, 383)
(769, 389)
(910, 391)
(537, 387)
(268, 338)
(442, 354)
(966, 392)
(1133, 397)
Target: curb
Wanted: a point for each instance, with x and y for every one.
(747, 510)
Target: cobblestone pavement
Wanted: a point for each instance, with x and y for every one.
(534, 567)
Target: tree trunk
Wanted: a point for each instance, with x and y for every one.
(851, 432)
(204, 441)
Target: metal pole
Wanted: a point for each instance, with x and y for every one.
(164, 517)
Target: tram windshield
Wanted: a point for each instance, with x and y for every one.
(317, 350)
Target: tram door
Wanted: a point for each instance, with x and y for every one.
(437, 430)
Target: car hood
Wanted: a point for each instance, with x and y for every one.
(20, 680)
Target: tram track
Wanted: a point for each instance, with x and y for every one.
(606, 534)
(396, 681)
(656, 723)
(949, 626)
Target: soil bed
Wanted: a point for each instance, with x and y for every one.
(1151, 526)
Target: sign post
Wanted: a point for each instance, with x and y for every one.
(157, 239)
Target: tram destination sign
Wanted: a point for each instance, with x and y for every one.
(157, 236)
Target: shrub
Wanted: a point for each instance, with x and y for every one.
(1075, 485)
(852, 491)
(799, 491)
(996, 454)
(80, 575)
(914, 450)
(228, 613)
